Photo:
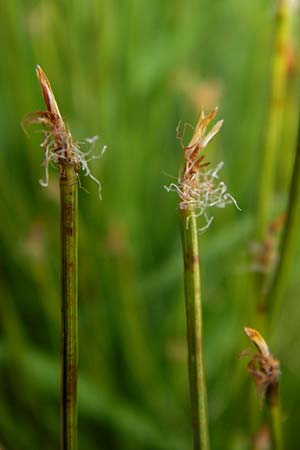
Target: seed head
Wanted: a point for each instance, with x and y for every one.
(200, 139)
(58, 143)
(264, 368)
(199, 188)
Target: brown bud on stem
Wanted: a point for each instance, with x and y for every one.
(264, 368)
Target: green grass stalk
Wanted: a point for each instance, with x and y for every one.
(274, 120)
(274, 123)
(69, 332)
(274, 405)
(194, 192)
(285, 257)
(193, 302)
(279, 71)
(59, 148)
(260, 314)
(276, 420)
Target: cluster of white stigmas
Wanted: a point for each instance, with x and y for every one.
(79, 158)
(204, 191)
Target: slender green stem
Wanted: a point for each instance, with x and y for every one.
(273, 402)
(273, 129)
(274, 120)
(262, 315)
(277, 426)
(192, 283)
(285, 257)
(69, 338)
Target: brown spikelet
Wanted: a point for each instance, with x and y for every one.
(199, 140)
(264, 368)
(200, 189)
(58, 145)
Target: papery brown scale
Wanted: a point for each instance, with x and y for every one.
(47, 92)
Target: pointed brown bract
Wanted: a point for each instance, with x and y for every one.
(48, 95)
(258, 340)
(57, 144)
(198, 142)
(54, 119)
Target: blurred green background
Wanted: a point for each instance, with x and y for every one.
(128, 71)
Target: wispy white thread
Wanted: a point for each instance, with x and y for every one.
(203, 191)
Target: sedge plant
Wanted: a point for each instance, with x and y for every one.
(59, 144)
(60, 150)
(198, 189)
(265, 370)
(264, 250)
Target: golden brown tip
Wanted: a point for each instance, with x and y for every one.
(258, 340)
(250, 332)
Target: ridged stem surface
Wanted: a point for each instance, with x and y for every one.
(69, 334)
(193, 303)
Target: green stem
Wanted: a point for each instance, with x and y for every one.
(273, 129)
(285, 257)
(277, 426)
(274, 121)
(273, 402)
(192, 284)
(69, 338)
